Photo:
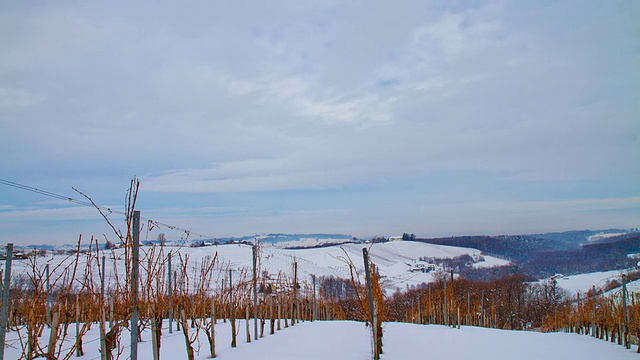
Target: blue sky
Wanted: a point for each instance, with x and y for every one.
(365, 118)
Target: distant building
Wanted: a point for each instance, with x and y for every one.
(395, 238)
(17, 255)
(420, 266)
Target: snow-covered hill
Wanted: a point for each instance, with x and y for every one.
(394, 260)
(582, 283)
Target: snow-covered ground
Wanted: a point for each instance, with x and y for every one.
(409, 341)
(311, 241)
(584, 282)
(634, 286)
(350, 340)
(603, 235)
(392, 258)
(346, 339)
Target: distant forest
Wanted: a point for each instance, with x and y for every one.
(542, 257)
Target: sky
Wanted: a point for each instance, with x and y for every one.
(368, 118)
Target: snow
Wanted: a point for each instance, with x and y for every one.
(584, 282)
(391, 258)
(602, 235)
(634, 286)
(441, 342)
(490, 261)
(351, 340)
(318, 340)
(307, 242)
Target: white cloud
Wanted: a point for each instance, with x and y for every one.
(16, 98)
(447, 33)
(283, 96)
(302, 98)
(252, 176)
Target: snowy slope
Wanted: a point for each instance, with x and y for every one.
(350, 340)
(440, 342)
(584, 282)
(392, 258)
(634, 287)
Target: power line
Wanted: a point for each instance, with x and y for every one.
(16, 185)
(43, 192)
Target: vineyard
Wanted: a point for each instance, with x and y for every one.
(63, 297)
(54, 300)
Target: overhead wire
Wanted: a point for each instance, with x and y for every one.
(43, 192)
(187, 232)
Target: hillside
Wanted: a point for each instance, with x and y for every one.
(397, 264)
(513, 247)
(395, 260)
(575, 238)
(543, 257)
(589, 258)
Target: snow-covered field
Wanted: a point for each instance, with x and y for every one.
(350, 340)
(392, 258)
(582, 283)
(634, 286)
(347, 339)
(603, 235)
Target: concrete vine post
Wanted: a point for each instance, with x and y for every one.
(232, 312)
(294, 304)
(482, 309)
(47, 290)
(625, 313)
(79, 350)
(255, 289)
(272, 319)
(468, 320)
(246, 321)
(315, 309)
(170, 290)
(5, 299)
(134, 285)
(453, 302)
(446, 312)
(593, 317)
(372, 311)
(212, 338)
(103, 313)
